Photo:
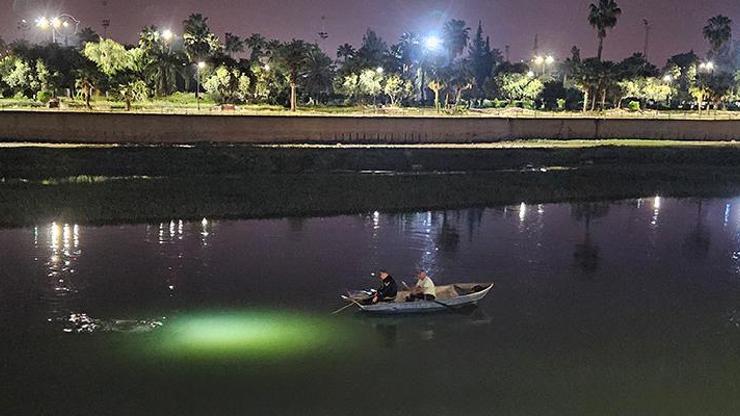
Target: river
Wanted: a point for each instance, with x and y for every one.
(621, 307)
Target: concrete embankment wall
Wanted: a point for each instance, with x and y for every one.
(160, 128)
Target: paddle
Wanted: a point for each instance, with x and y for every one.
(342, 308)
(353, 302)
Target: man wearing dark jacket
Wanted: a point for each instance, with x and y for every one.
(388, 289)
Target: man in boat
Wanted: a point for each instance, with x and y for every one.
(388, 288)
(424, 289)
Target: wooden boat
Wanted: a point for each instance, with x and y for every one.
(449, 297)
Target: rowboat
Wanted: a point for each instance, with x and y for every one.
(449, 297)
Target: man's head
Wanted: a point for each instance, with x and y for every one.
(421, 275)
(383, 274)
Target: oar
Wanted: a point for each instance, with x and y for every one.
(431, 300)
(342, 308)
(353, 302)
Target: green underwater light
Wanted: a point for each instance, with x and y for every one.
(253, 333)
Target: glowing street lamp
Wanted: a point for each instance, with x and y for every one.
(167, 35)
(530, 74)
(379, 70)
(706, 66)
(432, 43)
(63, 24)
(667, 78)
(200, 65)
(543, 61)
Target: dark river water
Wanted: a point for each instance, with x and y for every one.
(628, 307)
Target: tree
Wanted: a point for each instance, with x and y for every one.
(132, 91)
(482, 60)
(110, 56)
(409, 51)
(227, 85)
(718, 32)
(518, 87)
(348, 86)
(602, 17)
(682, 67)
(345, 52)
(293, 57)
(200, 44)
(161, 62)
(455, 35)
(86, 35)
(397, 88)
(17, 75)
(372, 52)
(369, 83)
(319, 73)
(700, 90)
(257, 45)
(233, 44)
(436, 85)
(636, 66)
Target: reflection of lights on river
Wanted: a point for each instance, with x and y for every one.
(376, 220)
(656, 211)
(540, 209)
(522, 211)
(727, 215)
(64, 251)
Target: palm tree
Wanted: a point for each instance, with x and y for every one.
(293, 56)
(603, 17)
(256, 44)
(233, 44)
(456, 35)
(319, 73)
(718, 31)
(345, 52)
(199, 42)
(161, 63)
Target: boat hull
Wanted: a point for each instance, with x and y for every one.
(399, 306)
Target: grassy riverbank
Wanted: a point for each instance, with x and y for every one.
(140, 184)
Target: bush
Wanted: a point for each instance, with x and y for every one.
(43, 96)
(634, 106)
(561, 104)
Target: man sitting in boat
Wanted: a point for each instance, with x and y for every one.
(388, 289)
(424, 289)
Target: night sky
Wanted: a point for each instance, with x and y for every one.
(675, 24)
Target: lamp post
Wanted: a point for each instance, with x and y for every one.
(62, 25)
(198, 66)
(543, 62)
(668, 79)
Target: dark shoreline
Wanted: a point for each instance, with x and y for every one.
(153, 184)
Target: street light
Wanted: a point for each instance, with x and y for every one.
(379, 70)
(198, 67)
(167, 35)
(667, 78)
(706, 66)
(543, 62)
(64, 25)
(432, 43)
(530, 74)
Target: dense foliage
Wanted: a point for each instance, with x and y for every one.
(455, 71)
